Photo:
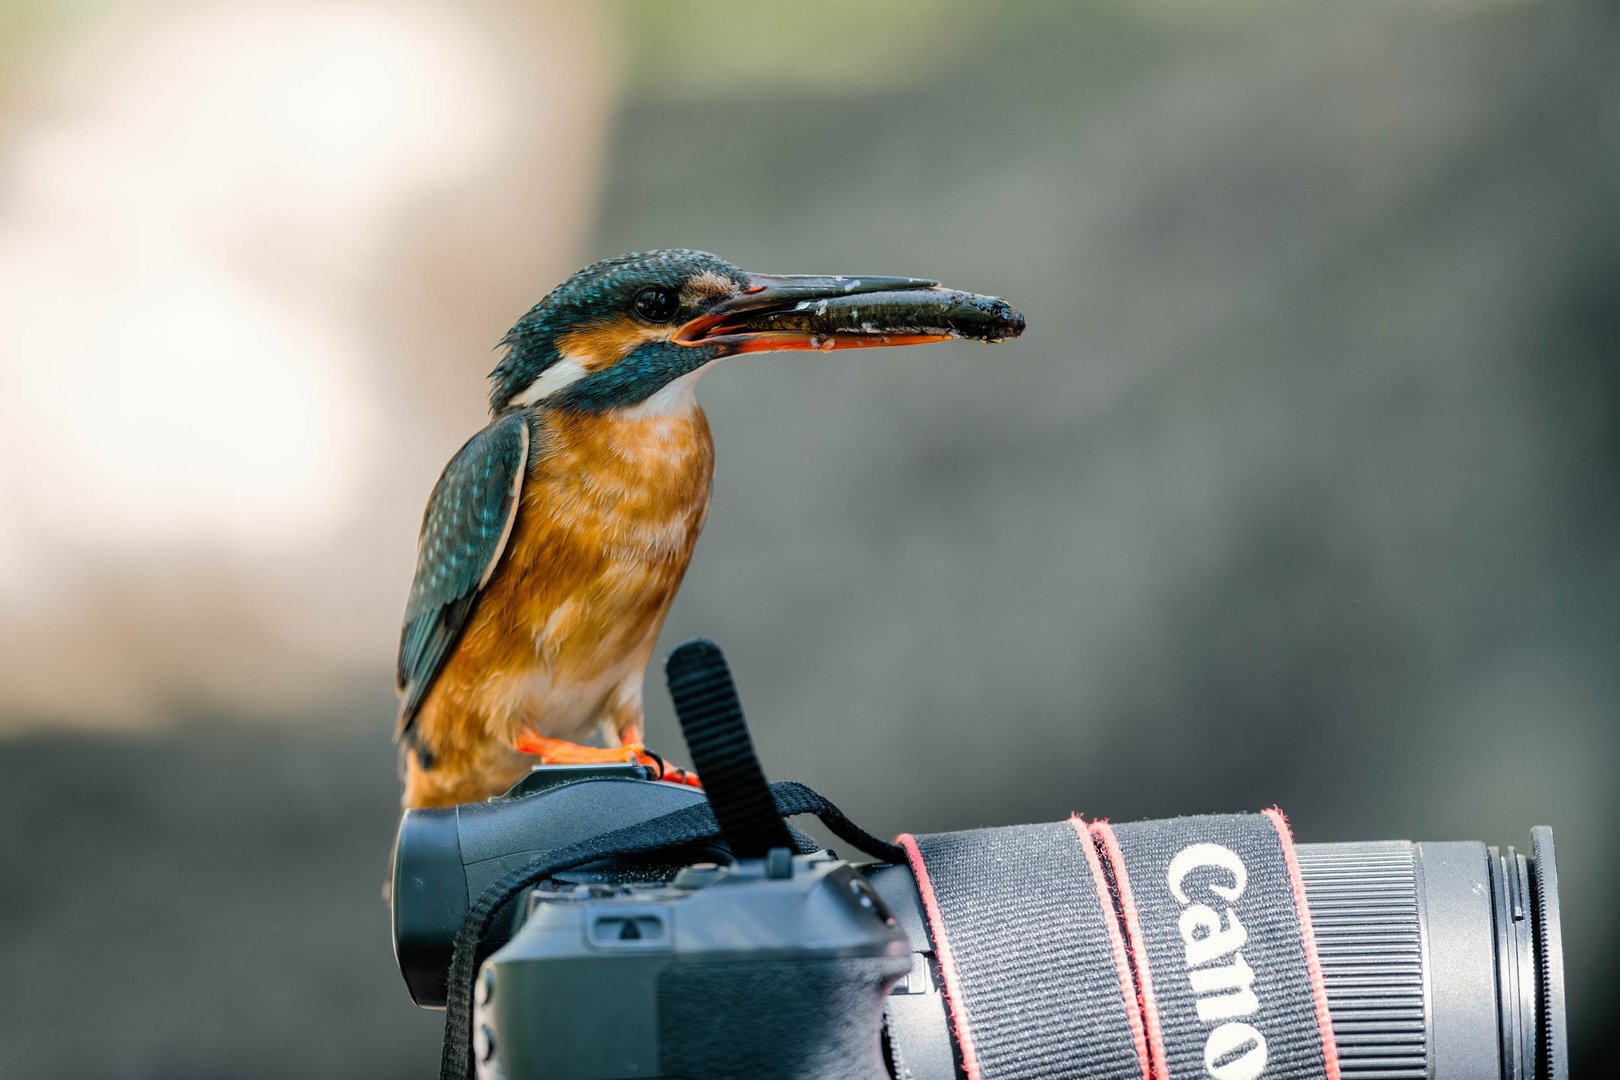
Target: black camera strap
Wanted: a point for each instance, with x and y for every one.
(1220, 938)
(1159, 949)
(1032, 960)
(1162, 949)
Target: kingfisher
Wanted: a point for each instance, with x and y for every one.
(556, 537)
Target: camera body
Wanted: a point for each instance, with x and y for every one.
(728, 970)
(1440, 958)
(855, 931)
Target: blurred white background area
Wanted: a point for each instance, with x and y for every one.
(253, 257)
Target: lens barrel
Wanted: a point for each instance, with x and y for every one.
(1440, 959)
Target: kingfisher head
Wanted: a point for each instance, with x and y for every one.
(620, 331)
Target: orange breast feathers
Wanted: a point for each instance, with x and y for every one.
(559, 639)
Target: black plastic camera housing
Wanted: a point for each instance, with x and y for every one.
(444, 858)
(799, 944)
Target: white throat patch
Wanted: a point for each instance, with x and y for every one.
(674, 399)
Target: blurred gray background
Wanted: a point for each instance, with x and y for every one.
(1300, 489)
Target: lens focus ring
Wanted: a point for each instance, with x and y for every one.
(1364, 912)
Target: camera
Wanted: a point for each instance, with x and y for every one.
(802, 943)
(620, 927)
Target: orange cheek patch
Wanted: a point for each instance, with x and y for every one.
(604, 344)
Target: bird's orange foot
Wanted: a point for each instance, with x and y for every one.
(562, 752)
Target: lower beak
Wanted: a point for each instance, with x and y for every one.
(789, 312)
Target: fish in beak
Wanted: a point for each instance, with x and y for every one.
(778, 312)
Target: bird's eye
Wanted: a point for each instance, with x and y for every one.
(656, 305)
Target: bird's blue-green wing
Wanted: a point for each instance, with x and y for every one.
(464, 531)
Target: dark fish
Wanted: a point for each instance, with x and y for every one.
(929, 312)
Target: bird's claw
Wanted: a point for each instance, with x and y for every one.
(662, 770)
(562, 752)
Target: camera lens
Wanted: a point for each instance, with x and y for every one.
(1440, 959)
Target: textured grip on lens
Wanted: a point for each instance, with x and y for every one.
(722, 752)
(1363, 900)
